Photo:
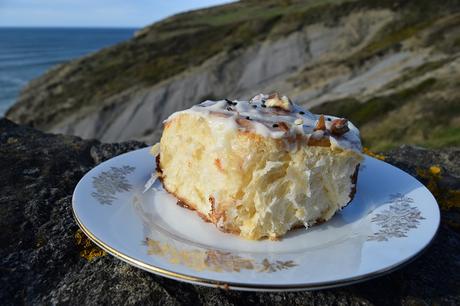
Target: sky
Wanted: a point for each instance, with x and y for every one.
(93, 13)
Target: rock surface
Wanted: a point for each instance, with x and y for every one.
(41, 262)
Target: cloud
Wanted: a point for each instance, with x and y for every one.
(88, 13)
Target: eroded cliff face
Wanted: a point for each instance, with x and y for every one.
(336, 57)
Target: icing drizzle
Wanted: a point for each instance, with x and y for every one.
(275, 122)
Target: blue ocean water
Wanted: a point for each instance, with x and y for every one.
(26, 53)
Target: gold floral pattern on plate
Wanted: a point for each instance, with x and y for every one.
(213, 260)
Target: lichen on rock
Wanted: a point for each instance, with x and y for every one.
(88, 249)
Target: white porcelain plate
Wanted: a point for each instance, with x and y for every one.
(392, 218)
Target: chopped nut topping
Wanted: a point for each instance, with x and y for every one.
(256, 97)
(183, 204)
(298, 121)
(339, 126)
(283, 126)
(286, 99)
(244, 122)
(274, 100)
(320, 124)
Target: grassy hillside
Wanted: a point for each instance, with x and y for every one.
(417, 115)
(425, 113)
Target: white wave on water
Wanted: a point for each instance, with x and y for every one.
(7, 79)
(26, 53)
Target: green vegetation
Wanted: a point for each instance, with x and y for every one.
(445, 35)
(415, 17)
(417, 115)
(388, 38)
(444, 137)
(364, 112)
(427, 114)
(417, 71)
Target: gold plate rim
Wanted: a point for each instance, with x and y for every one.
(241, 286)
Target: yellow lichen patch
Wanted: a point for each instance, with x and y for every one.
(40, 241)
(447, 198)
(435, 170)
(88, 250)
(11, 140)
(373, 154)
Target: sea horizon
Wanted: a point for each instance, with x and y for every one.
(28, 52)
(69, 27)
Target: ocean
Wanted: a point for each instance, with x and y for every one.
(26, 53)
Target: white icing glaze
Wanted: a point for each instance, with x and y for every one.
(267, 121)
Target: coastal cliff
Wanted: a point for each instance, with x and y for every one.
(392, 67)
(46, 260)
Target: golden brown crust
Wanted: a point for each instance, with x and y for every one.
(354, 181)
(182, 203)
(157, 162)
(214, 215)
(319, 142)
(283, 126)
(167, 124)
(319, 221)
(244, 123)
(297, 226)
